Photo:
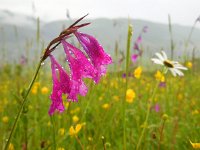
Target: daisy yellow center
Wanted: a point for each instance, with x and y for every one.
(168, 63)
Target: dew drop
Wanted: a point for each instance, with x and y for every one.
(42, 63)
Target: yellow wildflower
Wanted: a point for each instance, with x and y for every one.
(195, 145)
(44, 90)
(195, 112)
(90, 138)
(76, 110)
(5, 119)
(180, 96)
(66, 104)
(37, 84)
(100, 98)
(130, 95)
(61, 148)
(61, 131)
(189, 64)
(116, 98)
(137, 72)
(48, 123)
(159, 76)
(74, 131)
(11, 147)
(75, 118)
(106, 106)
(34, 90)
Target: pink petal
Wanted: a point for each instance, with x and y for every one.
(80, 67)
(134, 57)
(139, 39)
(95, 52)
(61, 84)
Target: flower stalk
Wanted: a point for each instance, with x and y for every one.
(130, 30)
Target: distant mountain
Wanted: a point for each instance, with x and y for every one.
(18, 34)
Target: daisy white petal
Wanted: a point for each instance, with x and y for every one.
(160, 56)
(173, 72)
(180, 67)
(164, 55)
(157, 61)
(180, 73)
(175, 62)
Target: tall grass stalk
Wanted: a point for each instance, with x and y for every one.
(54, 132)
(190, 34)
(161, 132)
(129, 37)
(188, 41)
(172, 46)
(22, 105)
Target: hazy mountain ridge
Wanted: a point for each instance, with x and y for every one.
(17, 29)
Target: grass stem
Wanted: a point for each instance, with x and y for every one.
(147, 115)
(22, 106)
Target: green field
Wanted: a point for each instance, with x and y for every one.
(108, 117)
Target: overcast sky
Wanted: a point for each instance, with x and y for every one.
(182, 11)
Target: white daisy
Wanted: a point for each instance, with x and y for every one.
(173, 66)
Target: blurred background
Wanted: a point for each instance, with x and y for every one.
(26, 26)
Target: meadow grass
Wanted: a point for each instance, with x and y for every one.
(100, 112)
(103, 119)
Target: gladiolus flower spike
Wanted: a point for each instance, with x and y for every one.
(136, 48)
(81, 66)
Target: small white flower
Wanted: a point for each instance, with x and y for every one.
(173, 66)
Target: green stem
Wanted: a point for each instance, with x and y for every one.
(103, 141)
(147, 115)
(54, 132)
(171, 37)
(130, 30)
(161, 134)
(79, 142)
(25, 124)
(22, 105)
(190, 35)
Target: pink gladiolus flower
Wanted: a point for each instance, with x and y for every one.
(95, 52)
(89, 64)
(80, 67)
(61, 84)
